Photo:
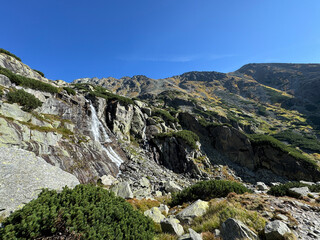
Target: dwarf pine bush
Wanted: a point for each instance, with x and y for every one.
(26, 100)
(85, 212)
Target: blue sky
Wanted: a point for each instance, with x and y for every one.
(100, 38)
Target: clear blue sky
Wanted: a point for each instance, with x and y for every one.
(158, 38)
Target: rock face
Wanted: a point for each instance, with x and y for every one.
(196, 209)
(172, 226)
(233, 229)
(276, 230)
(23, 175)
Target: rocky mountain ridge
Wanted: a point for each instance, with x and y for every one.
(176, 131)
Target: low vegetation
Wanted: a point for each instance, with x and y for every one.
(219, 212)
(259, 139)
(189, 137)
(70, 91)
(85, 212)
(28, 82)
(207, 190)
(9, 53)
(165, 115)
(275, 96)
(41, 73)
(26, 100)
(298, 140)
(284, 189)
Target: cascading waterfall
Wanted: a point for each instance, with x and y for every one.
(97, 128)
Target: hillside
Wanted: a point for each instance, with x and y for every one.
(149, 138)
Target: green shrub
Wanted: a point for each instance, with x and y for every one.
(275, 96)
(9, 53)
(259, 139)
(207, 190)
(262, 110)
(299, 140)
(41, 73)
(26, 100)
(101, 92)
(165, 115)
(284, 189)
(187, 136)
(87, 212)
(70, 91)
(28, 82)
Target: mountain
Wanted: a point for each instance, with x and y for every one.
(149, 137)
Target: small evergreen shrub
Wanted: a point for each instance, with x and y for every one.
(41, 73)
(70, 91)
(275, 96)
(85, 212)
(284, 189)
(9, 53)
(207, 190)
(26, 100)
(187, 136)
(165, 115)
(28, 82)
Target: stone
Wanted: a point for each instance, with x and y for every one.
(5, 81)
(196, 209)
(155, 214)
(275, 230)
(172, 187)
(164, 208)
(123, 190)
(282, 217)
(23, 175)
(262, 186)
(158, 193)
(108, 180)
(307, 183)
(303, 191)
(171, 225)
(233, 229)
(192, 235)
(144, 182)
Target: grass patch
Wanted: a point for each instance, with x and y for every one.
(219, 212)
(26, 100)
(28, 82)
(143, 204)
(9, 53)
(207, 190)
(189, 137)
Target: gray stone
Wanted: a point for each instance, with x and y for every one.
(164, 208)
(307, 183)
(155, 214)
(108, 180)
(23, 175)
(123, 190)
(172, 187)
(196, 209)
(303, 191)
(5, 81)
(282, 217)
(275, 230)
(172, 226)
(233, 229)
(194, 235)
(144, 182)
(262, 186)
(158, 193)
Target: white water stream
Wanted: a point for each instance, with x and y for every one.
(100, 135)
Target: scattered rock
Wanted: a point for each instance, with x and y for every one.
(276, 230)
(172, 187)
(172, 226)
(155, 214)
(307, 183)
(262, 186)
(303, 191)
(196, 209)
(164, 208)
(108, 180)
(194, 235)
(233, 229)
(282, 217)
(123, 190)
(144, 182)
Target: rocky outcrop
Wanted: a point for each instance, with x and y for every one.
(23, 175)
(276, 230)
(233, 229)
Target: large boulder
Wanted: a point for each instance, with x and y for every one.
(155, 214)
(196, 209)
(172, 226)
(172, 187)
(276, 230)
(233, 229)
(23, 175)
(123, 190)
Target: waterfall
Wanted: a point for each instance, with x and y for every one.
(100, 135)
